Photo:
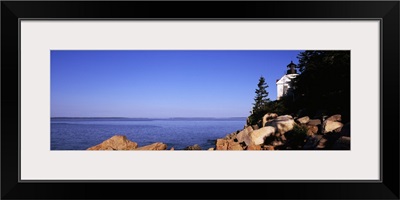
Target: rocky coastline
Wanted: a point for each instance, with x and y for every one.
(272, 132)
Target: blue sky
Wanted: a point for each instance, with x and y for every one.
(162, 83)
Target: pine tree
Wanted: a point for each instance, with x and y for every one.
(261, 98)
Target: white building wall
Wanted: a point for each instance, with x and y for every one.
(279, 91)
(284, 84)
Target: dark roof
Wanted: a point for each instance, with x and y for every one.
(291, 68)
(291, 64)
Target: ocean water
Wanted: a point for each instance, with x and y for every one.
(80, 134)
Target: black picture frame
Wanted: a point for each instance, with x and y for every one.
(386, 11)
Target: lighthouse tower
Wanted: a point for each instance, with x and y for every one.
(284, 84)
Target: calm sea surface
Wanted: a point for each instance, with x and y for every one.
(80, 134)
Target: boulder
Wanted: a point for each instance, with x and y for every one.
(243, 135)
(312, 130)
(323, 143)
(253, 147)
(303, 120)
(235, 146)
(314, 122)
(277, 143)
(338, 130)
(116, 142)
(258, 136)
(312, 142)
(194, 147)
(332, 123)
(335, 118)
(268, 117)
(223, 144)
(154, 146)
(343, 143)
(282, 124)
(255, 127)
(268, 147)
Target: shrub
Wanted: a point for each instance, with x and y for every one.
(280, 107)
(296, 137)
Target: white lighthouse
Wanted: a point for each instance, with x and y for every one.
(284, 85)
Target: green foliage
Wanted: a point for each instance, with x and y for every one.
(261, 98)
(278, 107)
(260, 101)
(255, 117)
(264, 105)
(324, 81)
(296, 137)
(281, 107)
(299, 131)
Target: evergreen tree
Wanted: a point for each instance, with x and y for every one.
(261, 99)
(324, 82)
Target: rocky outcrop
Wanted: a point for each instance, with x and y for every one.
(194, 147)
(255, 127)
(258, 136)
(312, 142)
(268, 117)
(303, 120)
(253, 147)
(268, 147)
(314, 122)
(323, 143)
(277, 143)
(153, 147)
(223, 144)
(282, 124)
(335, 118)
(243, 136)
(231, 136)
(332, 123)
(116, 142)
(279, 133)
(120, 142)
(285, 133)
(312, 130)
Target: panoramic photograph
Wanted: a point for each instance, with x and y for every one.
(200, 100)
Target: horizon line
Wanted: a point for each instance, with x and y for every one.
(151, 117)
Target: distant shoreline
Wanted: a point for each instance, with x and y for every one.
(162, 119)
